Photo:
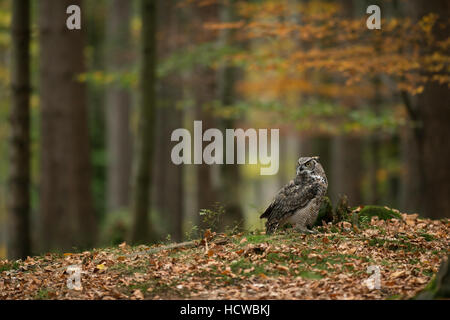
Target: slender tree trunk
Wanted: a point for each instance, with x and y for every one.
(95, 25)
(375, 147)
(19, 245)
(203, 82)
(230, 173)
(205, 88)
(411, 189)
(118, 104)
(66, 210)
(168, 191)
(347, 168)
(347, 149)
(168, 188)
(145, 138)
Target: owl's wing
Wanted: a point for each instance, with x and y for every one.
(288, 200)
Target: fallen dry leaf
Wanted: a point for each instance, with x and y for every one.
(138, 294)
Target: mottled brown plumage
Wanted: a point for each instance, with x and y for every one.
(298, 202)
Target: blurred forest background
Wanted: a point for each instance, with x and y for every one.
(86, 115)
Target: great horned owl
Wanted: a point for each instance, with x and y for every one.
(299, 201)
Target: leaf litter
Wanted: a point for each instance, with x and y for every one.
(332, 264)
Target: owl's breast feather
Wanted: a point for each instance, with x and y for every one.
(319, 179)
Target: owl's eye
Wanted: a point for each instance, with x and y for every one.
(309, 165)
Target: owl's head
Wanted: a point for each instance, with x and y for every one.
(307, 166)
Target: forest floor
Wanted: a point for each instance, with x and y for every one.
(332, 264)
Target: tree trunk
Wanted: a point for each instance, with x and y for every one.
(168, 177)
(230, 174)
(95, 25)
(205, 87)
(375, 143)
(145, 137)
(19, 245)
(66, 210)
(347, 149)
(411, 190)
(433, 110)
(118, 104)
(169, 193)
(203, 83)
(347, 169)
